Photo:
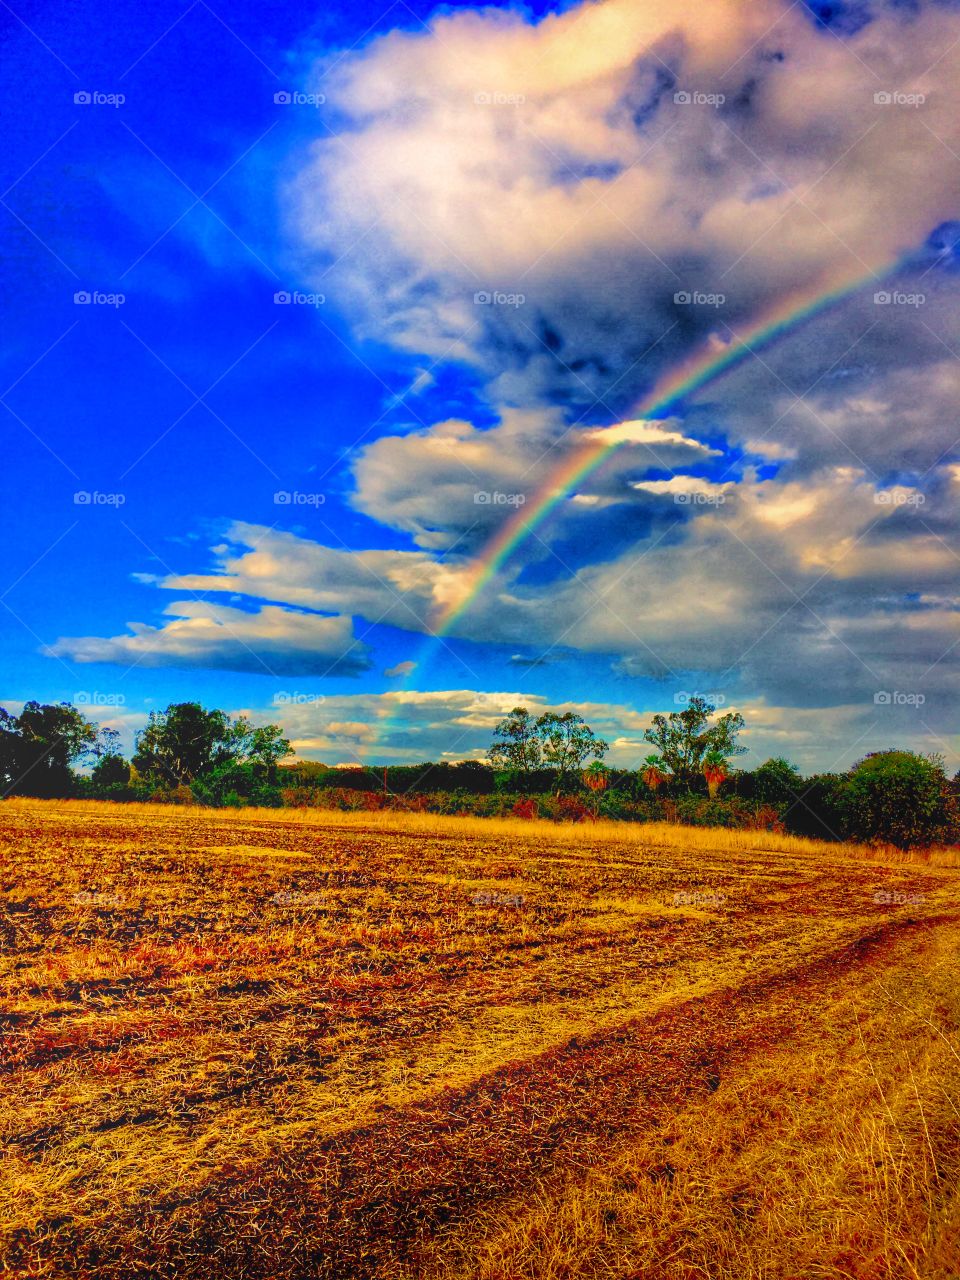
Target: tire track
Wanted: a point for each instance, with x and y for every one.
(338, 1209)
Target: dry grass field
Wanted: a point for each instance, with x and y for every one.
(268, 1044)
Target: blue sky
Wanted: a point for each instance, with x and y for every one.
(785, 539)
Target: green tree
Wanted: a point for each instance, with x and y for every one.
(517, 743)
(776, 781)
(900, 798)
(184, 742)
(187, 743)
(110, 771)
(267, 747)
(685, 738)
(38, 748)
(110, 778)
(9, 748)
(568, 742)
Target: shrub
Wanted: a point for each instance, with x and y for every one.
(234, 784)
(900, 798)
(572, 809)
(526, 807)
(765, 817)
(172, 795)
(817, 811)
(775, 782)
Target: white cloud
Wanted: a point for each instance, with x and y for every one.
(270, 641)
(598, 196)
(451, 484)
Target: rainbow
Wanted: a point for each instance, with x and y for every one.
(703, 367)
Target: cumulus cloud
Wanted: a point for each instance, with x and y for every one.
(450, 485)
(269, 641)
(602, 162)
(402, 588)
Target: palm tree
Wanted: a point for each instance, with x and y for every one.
(653, 774)
(596, 777)
(714, 770)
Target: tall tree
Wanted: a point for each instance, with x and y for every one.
(38, 747)
(568, 742)
(517, 743)
(186, 743)
(685, 738)
(266, 747)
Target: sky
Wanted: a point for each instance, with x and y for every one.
(374, 369)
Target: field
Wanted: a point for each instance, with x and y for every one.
(269, 1044)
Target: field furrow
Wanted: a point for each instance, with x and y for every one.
(299, 1049)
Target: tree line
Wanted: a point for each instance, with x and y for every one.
(185, 752)
(548, 766)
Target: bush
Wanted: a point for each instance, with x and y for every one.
(900, 798)
(701, 812)
(817, 811)
(572, 809)
(527, 808)
(172, 795)
(234, 785)
(776, 782)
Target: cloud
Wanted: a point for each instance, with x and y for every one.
(414, 725)
(401, 669)
(535, 660)
(599, 163)
(270, 641)
(475, 476)
(402, 588)
(804, 592)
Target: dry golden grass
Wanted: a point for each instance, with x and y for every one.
(298, 1044)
